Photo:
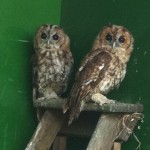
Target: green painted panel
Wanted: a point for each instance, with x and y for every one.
(18, 23)
(83, 19)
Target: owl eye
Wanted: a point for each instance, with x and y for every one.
(121, 39)
(55, 37)
(43, 36)
(108, 37)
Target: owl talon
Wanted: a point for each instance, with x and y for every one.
(101, 99)
(40, 99)
(109, 102)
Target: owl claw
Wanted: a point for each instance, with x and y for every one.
(101, 99)
(110, 101)
(40, 99)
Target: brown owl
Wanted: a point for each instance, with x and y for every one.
(52, 62)
(102, 69)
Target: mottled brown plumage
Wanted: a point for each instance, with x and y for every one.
(102, 69)
(52, 64)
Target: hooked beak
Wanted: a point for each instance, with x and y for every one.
(114, 44)
(48, 42)
(48, 45)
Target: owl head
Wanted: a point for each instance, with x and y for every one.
(50, 37)
(114, 37)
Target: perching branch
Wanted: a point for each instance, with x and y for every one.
(115, 107)
(114, 119)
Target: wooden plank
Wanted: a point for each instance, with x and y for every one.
(116, 107)
(111, 128)
(46, 130)
(105, 132)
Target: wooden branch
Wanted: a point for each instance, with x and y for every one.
(46, 130)
(104, 135)
(117, 107)
(50, 103)
(111, 128)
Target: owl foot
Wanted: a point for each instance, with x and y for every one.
(101, 99)
(47, 96)
(51, 95)
(40, 99)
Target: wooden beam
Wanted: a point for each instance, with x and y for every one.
(105, 132)
(116, 107)
(53, 119)
(111, 128)
(46, 130)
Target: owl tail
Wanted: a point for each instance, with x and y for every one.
(77, 103)
(76, 108)
(75, 112)
(65, 107)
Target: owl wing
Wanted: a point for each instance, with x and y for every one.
(34, 78)
(68, 68)
(89, 75)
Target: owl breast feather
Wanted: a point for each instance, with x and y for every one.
(51, 70)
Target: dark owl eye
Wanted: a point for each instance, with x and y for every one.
(43, 36)
(55, 37)
(121, 39)
(109, 37)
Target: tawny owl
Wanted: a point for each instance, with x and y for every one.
(53, 62)
(103, 68)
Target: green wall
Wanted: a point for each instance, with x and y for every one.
(18, 23)
(83, 19)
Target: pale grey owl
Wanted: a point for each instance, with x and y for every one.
(53, 62)
(102, 69)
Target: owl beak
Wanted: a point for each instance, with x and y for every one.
(48, 44)
(114, 44)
